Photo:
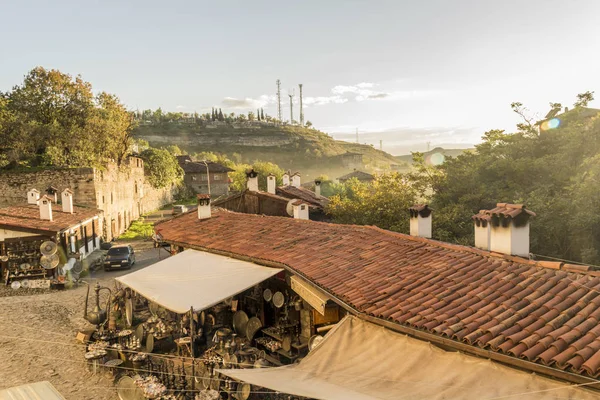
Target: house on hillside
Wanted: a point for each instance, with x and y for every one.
(23, 228)
(350, 160)
(360, 175)
(492, 303)
(276, 201)
(199, 175)
(557, 119)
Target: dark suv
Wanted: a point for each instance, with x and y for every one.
(119, 257)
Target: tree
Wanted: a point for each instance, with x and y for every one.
(212, 115)
(158, 116)
(308, 124)
(262, 114)
(221, 118)
(251, 116)
(584, 98)
(263, 168)
(161, 167)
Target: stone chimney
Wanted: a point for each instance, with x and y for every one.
(252, 182)
(52, 192)
(33, 196)
(286, 179)
(296, 179)
(482, 229)
(300, 209)
(420, 220)
(45, 205)
(317, 187)
(204, 206)
(271, 183)
(509, 229)
(66, 198)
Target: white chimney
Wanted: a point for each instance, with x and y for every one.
(271, 183)
(252, 181)
(482, 229)
(317, 187)
(509, 229)
(66, 199)
(33, 196)
(300, 209)
(286, 179)
(52, 193)
(45, 205)
(420, 220)
(296, 179)
(204, 206)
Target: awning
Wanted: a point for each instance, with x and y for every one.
(359, 360)
(32, 391)
(195, 279)
(312, 296)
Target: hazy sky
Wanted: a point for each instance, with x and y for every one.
(406, 72)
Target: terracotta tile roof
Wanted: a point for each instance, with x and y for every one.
(361, 176)
(543, 312)
(196, 167)
(27, 217)
(292, 192)
(505, 210)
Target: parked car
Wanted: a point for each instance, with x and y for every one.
(119, 257)
(179, 209)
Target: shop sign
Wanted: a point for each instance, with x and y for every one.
(311, 295)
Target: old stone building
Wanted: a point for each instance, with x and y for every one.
(199, 175)
(121, 192)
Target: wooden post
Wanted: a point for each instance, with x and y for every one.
(192, 347)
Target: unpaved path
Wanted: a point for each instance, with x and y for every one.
(37, 338)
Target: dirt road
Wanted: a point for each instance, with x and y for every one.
(37, 338)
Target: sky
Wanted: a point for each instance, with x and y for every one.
(409, 73)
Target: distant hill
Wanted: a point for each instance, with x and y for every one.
(292, 147)
(428, 154)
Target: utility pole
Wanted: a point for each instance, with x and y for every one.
(291, 108)
(356, 135)
(301, 110)
(279, 100)
(380, 144)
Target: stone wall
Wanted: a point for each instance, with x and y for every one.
(120, 192)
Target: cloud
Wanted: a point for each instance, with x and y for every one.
(248, 102)
(180, 107)
(379, 96)
(319, 101)
(361, 91)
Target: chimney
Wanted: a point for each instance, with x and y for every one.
(420, 220)
(66, 198)
(286, 179)
(204, 206)
(509, 229)
(33, 196)
(300, 209)
(482, 229)
(52, 193)
(296, 180)
(45, 205)
(252, 183)
(317, 187)
(271, 183)
(566, 109)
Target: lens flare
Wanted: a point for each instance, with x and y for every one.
(550, 124)
(437, 159)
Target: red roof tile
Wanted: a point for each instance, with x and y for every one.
(507, 304)
(27, 218)
(292, 192)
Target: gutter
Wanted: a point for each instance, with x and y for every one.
(442, 342)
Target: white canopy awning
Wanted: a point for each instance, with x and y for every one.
(359, 360)
(195, 279)
(32, 391)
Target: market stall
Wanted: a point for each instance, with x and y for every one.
(167, 328)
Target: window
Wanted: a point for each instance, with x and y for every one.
(194, 178)
(217, 177)
(204, 177)
(103, 200)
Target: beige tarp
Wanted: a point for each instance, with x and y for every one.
(31, 391)
(360, 360)
(195, 279)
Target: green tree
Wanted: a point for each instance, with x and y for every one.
(221, 118)
(161, 167)
(584, 98)
(251, 116)
(262, 114)
(308, 124)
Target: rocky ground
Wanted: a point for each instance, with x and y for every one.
(37, 336)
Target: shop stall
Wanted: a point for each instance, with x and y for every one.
(184, 318)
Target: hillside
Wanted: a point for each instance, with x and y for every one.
(428, 154)
(292, 147)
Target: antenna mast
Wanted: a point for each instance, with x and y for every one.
(356, 135)
(278, 100)
(291, 108)
(301, 110)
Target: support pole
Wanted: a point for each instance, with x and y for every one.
(192, 348)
